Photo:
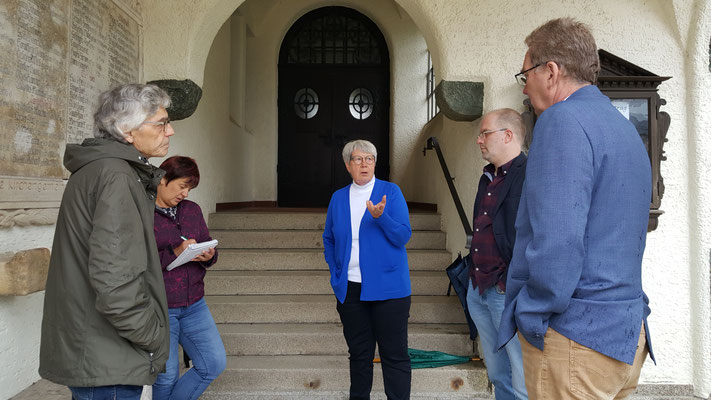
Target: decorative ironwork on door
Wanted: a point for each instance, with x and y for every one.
(332, 36)
(334, 87)
(360, 103)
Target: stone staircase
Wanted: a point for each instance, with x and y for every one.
(270, 295)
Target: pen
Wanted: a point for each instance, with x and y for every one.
(183, 237)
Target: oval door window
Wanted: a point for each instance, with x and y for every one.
(306, 103)
(360, 103)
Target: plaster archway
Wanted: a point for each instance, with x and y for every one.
(179, 48)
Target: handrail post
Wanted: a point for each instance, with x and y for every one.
(433, 144)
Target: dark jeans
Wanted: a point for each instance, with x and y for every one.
(116, 392)
(384, 322)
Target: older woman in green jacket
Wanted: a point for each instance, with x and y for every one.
(105, 323)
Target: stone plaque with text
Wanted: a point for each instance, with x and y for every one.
(34, 43)
(104, 53)
(57, 56)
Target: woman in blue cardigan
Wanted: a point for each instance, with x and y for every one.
(367, 227)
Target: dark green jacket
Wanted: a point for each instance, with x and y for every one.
(105, 316)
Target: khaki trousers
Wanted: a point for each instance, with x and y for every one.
(568, 370)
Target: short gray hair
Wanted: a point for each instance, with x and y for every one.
(362, 145)
(125, 108)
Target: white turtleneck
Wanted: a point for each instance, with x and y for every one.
(359, 195)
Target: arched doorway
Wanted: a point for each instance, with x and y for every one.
(334, 86)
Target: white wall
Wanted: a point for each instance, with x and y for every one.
(221, 149)
(698, 35)
(21, 317)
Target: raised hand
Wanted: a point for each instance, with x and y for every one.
(376, 210)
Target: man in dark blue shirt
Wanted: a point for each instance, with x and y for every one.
(500, 137)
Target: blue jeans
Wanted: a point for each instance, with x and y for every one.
(193, 328)
(116, 392)
(505, 368)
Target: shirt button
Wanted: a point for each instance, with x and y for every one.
(476, 230)
(505, 172)
(475, 250)
(488, 194)
(485, 213)
(476, 269)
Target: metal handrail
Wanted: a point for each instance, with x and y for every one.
(433, 144)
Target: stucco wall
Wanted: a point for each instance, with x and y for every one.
(699, 122)
(21, 317)
(220, 147)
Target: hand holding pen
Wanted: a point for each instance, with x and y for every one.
(204, 256)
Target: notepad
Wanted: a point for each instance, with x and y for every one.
(191, 252)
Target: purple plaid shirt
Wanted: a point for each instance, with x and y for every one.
(488, 268)
(184, 284)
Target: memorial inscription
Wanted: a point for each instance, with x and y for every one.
(57, 57)
(104, 53)
(34, 41)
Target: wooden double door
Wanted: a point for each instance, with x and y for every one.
(331, 91)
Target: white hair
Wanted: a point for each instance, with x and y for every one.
(125, 108)
(362, 145)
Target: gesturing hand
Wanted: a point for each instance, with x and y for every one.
(376, 210)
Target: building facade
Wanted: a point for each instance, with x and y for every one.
(231, 49)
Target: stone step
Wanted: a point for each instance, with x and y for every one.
(312, 259)
(300, 220)
(308, 239)
(426, 283)
(315, 374)
(343, 395)
(321, 309)
(327, 339)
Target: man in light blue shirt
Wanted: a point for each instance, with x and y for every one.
(574, 288)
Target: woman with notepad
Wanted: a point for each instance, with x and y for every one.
(178, 224)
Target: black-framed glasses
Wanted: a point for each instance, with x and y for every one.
(484, 134)
(162, 124)
(359, 160)
(521, 76)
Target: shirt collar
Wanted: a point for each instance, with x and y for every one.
(368, 185)
(489, 169)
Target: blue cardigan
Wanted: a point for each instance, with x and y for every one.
(581, 230)
(383, 260)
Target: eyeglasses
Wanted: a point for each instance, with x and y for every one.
(162, 124)
(484, 134)
(521, 76)
(359, 160)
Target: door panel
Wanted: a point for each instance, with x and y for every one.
(310, 161)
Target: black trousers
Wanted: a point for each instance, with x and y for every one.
(366, 323)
